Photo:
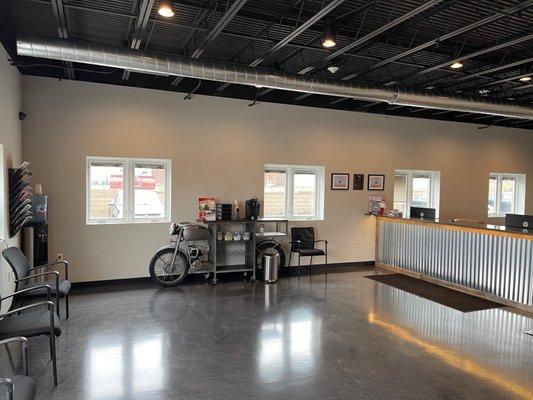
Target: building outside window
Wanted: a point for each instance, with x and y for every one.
(126, 190)
(414, 188)
(294, 192)
(507, 194)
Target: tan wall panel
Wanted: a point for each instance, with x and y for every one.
(218, 148)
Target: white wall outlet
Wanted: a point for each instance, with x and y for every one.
(59, 257)
(359, 240)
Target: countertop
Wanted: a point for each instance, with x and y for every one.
(528, 233)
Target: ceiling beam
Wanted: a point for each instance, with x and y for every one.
(465, 57)
(377, 32)
(62, 30)
(145, 8)
(258, 38)
(362, 40)
(221, 24)
(293, 35)
(486, 73)
(264, 29)
(217, 29)
(513, 79)
(485, 21)
(298, 31)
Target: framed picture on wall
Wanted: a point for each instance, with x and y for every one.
(358, 181)
(340, 181)
(376, 182)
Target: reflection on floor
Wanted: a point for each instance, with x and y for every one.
(352, 338)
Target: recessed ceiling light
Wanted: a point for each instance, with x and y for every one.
(330, 36)
(259, 86)
(525, 79)
(456, 65)
(484, 92)
(333, 69)
(430, 87)
(166, 8)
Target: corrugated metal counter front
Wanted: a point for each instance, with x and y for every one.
(486, 261)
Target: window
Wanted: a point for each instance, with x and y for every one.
(507, 194)
(294, 192)
(127, 190)
(414, 188)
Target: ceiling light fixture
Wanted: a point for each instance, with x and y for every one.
(456, 65)
(330, 37)
(525, 79)
(166, 8)
(333, 69)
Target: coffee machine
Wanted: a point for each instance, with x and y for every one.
(252, 208)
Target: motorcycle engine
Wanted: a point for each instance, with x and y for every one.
(198, 257)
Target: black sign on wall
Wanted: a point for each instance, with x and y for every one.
(358, 181)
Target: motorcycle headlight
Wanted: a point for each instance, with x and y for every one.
(173, 229)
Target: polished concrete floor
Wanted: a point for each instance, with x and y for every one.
(352, 338)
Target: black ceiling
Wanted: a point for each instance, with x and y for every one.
(493, 39)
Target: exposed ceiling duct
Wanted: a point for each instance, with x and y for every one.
(174, 65)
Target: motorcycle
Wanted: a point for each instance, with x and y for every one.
(187, 253)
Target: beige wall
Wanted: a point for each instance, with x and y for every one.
(218, 148)
(10, 141)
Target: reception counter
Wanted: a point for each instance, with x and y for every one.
(489, 261)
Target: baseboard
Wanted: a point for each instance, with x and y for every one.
(110, 282)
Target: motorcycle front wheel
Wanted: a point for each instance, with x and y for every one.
(163, 272)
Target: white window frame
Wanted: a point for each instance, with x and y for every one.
(129, 189)
(290, 171)
(519, 193)
(434, 188)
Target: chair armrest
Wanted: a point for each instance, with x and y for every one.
(9, 383)
(41, 303)
(42, 274)
(64, 263)
(24, 342)
(48, 292)
(325, 243)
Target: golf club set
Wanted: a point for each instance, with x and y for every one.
(20, 198)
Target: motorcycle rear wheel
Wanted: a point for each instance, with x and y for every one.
(165, 274)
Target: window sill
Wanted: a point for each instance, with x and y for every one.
(295, 219)
(310, 219)
(136, 222)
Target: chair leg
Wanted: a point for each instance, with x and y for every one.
(290, 256)
(57, 306)
(326, 268)
(298, 265)
(53, 356)
(310, 265)
(66, 306)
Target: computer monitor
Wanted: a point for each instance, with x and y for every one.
(519, 221)
(423, 213)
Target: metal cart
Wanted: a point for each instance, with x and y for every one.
(239, 255)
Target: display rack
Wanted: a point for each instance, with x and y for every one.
(20, 193)
(238, 256)
(232, 255)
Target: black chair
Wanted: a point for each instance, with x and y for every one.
(19, 387)
(24, 273)
(28, 321)
(303, 242)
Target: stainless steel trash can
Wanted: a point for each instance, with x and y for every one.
(270, 267)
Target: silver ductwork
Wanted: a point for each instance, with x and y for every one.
(174, 65)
